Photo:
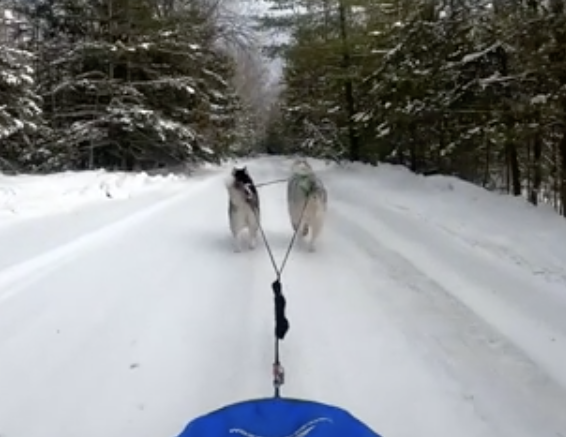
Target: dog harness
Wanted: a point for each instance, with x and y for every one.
(306, 184)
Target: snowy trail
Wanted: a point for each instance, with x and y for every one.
(507, 388)
(127, 330)
(152, 320)
(519, 304)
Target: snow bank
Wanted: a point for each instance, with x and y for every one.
(25, 196)
(526, 235)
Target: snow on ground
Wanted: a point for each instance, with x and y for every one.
(25, 196)
(431, 308)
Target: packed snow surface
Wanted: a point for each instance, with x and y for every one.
(37, 196)
(431, 307)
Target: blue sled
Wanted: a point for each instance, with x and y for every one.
(277, 417)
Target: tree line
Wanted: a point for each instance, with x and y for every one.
(120, 84)
(472, 89)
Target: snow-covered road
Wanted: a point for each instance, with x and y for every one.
(422, 312)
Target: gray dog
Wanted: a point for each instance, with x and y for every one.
(306, 195)
(243, 207)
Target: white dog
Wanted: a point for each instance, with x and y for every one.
(306, 197)
(243, 207)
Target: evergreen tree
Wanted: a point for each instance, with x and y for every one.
(458, 88)
(127, 84)
(20, 106)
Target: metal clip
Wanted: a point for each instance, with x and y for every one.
(278, 375)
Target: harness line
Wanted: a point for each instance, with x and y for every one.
(276, 181)
(281, 322)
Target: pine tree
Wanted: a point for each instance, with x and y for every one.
(453, 88)
(20, 107)
(132, 84)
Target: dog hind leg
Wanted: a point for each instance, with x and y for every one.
(252, 236)
(316, 228)
(253, 229)
(236, 243)
(294, 215)
(315, 232)
(236, 227)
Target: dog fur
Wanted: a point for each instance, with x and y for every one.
(304, 186)
(243, 207)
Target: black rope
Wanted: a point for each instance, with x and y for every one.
(277, 181)
(279, 270)
(281, 323)
(281, 329)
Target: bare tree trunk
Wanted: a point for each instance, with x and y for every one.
(348, 86)
(487, 161)
(556, 177)
(563, 174)
(513, 168)
(537, 171)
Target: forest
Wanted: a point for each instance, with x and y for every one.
(473, 89)
(121, 84)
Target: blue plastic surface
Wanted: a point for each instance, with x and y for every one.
(277, 417)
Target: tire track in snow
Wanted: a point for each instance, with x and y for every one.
(344, 347)
(17, 277)
(543, 265)
(494, 375)
(517, 305)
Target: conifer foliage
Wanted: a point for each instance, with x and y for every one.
(20, 106)
(473, 89)
(117, 84)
